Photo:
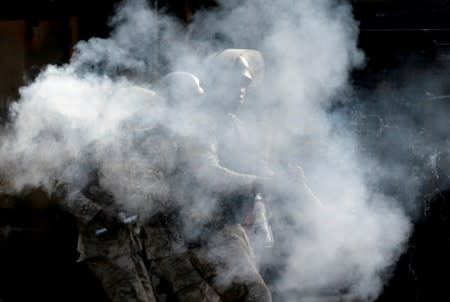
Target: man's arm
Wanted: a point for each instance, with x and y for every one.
(75, 202)
(207, 170)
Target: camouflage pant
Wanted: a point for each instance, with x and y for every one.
(124, 278)
(170, 264)
(115, 261)
(227, 263)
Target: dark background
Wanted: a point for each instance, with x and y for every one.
(38, 240)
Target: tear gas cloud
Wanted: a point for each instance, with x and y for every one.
(348, 244)
(403, 127)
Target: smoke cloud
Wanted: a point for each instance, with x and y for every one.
(345, 246)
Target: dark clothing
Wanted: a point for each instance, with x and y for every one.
(227, 264)
(216, 198)
(169, 261)
(113, 256)
(123, 277)
(172, 275)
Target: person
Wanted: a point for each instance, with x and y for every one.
(185, 229)
(239, 148)
(243, 151)
(109, 243)
(173, 275)
(221, 190)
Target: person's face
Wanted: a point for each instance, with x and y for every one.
(237, 81)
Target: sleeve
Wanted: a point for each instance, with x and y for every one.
(83, 208)
(206, 168)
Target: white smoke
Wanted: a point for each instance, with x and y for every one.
(310, 47)
(345, 246)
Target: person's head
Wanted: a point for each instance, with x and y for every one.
(180, 88)
(231, 73)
